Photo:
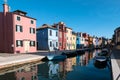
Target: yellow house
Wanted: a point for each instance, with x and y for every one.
(69, 38)
(74, 40)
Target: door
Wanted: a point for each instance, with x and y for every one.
(26, 46)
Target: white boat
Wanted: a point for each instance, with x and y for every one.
(101, 58)
(56, 57)
(100, 62)
(50, 57)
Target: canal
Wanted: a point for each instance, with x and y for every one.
(80, 67)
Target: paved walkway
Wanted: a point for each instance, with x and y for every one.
(8, 60)
(115, 61)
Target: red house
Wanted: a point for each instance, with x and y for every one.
(62, 35)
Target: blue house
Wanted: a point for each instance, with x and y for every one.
(79, 41)
(47, 38)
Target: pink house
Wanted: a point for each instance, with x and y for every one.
(17, 32)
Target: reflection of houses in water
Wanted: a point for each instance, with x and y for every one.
(48, 70)
(73, 61)
(95, 53)
(24, 73)
(68, 66)
(86, 57)
(8, 76)
(62, 70)
(27, 73)
(83, 59)
(53, 68)
(91, 55)
(77, 59)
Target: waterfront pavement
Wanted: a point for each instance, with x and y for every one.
(115, 62)
(9, 60)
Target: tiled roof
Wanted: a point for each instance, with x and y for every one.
(45, 26)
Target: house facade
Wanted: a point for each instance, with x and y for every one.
(80, 40)
(95, 42)
(73, 41)
(69, 38)
(117, 36)
(47, 38)
(17, 31)
(61, 35)
(90, 41)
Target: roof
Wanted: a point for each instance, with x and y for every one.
(74, 33)
(45, 26)
(19, 11)
(22, 13)
(117, 29)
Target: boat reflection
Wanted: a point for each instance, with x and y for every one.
(58, 70)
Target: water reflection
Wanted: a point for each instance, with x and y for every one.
(74, 68)
(24, 73)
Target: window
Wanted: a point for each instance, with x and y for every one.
(56, 44)
(18, 18)
(19, 43)
(67, 31)
(50, 32)
(50, 44)
(60, 44)
(32, 22)
(32, 30)
(19, 28)
(32, 43)
(65, 35)
(73, 38)
(67, 38)
(56, 33)
(23, 78)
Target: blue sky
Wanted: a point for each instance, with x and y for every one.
(95, 17)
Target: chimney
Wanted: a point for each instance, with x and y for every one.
(5, 8)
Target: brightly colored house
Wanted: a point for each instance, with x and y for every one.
(61, 35)
(47, 38)
(69, 38)
(73, 41)
(80, 40)
(17, 31)
(86, 39)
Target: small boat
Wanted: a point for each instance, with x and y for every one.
(50, 57)
(105, 50)
(56, 57)
(69, 54)
(101, 58)
(100, 62)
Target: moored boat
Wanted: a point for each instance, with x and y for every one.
(56, 57)
(100, 62)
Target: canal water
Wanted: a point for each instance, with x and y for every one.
(80, 67)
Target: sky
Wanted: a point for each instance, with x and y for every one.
(95, 17)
